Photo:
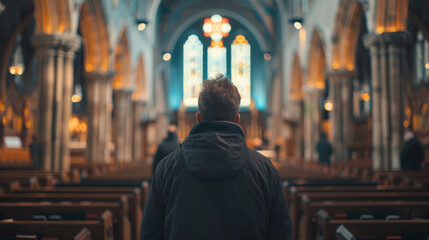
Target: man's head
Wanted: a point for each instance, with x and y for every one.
(219, 100)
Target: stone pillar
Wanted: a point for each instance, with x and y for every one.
(335, 117)
(388, 56)
(99, 118)
(138, 108)
(121, 124)
(296, 106)
(312, 121)
(341, 115)
(55, 56)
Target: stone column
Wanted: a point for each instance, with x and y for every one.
(98, 115)
(296, 106)
(340, 83)
(138, 108)
(121, 124)
(336, 115)
(312, 121)
(387, 52)
(55, 56)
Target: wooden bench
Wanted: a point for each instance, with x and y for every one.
(296, 206)
(372, 229)
(71, 211)
(99, 229)
(355, 209)
(135, 210)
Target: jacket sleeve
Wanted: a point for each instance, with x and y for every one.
(279, 223)
(152, 224)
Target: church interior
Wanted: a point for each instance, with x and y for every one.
(88, 89)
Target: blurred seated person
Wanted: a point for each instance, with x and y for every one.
(168, 145)
(412, 154)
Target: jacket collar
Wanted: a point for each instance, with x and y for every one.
(217, 126)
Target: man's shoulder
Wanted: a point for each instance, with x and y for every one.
(169, 162)
(261, 162)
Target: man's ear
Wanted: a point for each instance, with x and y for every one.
(198, 117)
(237, 118)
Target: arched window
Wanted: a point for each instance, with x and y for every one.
(192, 70)
(216, 54)
(240, 68)
(422, 59)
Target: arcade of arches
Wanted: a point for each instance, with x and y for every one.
(99, 80)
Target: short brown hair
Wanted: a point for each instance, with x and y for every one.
(219, 100)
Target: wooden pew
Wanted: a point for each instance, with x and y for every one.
(71, 211)
(135, 210)
(85, 234)
(372, 229)
(349, 210)
(295, 207)
(100, 229)
(138, 192)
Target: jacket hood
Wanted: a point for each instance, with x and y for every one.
(215, 150)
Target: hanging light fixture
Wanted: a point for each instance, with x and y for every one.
(77, 96)
(328, 105)
(17, 67)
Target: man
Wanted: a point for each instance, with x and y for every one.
(214, 186)
(412, 154)
(168, 145)
(324, 150)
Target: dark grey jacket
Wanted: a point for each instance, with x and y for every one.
(215, 187)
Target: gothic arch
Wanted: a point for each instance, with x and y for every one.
(95, 36)
(122, 78)
(317, 61)
(346, 33)
(52, 16)
(391, 15)
(296, 79)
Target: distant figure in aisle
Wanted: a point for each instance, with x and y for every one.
(169, 145)
(412, 154)
(324, 150)
(215, 187)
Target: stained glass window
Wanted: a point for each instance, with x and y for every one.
(192, 70)
(216, 59)
(240, 68)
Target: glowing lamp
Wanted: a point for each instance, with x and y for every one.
(267, 56)
(166, 57)
(141, 26)
(76, 98)
(297, 25)
(365, 97)
(427, 65)
(16, 70)
(328, 105)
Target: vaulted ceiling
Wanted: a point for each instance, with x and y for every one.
(261, 16)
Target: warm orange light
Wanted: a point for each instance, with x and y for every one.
(335, 65)
(240, 39)
(365, 97)
(14, 70)
(350, 66)
(135, 96)
(427, 65)
(406, 123)
(216, 44)
(328, 105)
(76, 98)
(267, 56)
